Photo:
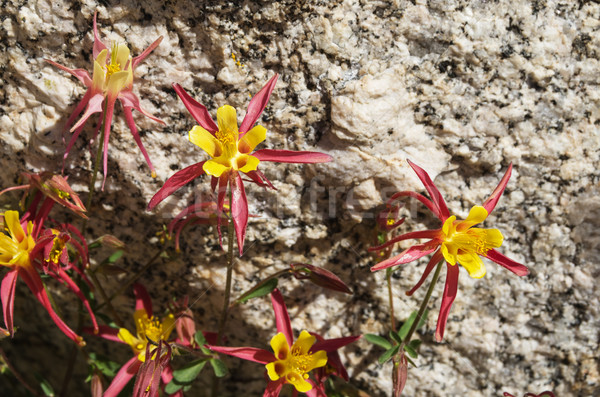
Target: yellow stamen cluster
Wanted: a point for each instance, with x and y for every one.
(148, 329)
(293, 364)
(464, 244)
(58, 245)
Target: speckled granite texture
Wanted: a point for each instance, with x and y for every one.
(462, 88)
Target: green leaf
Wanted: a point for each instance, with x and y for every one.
(415, 343)
(189, 372)
(406, 326)
(389, 354)
(115, 256)
(395, 337)
(378, 340)
(219, 367)
(411, 352)
(411, 362)
(45, 385)
(262, 290)
(103, 364)
(422, 321)
(172, 387)
(199, 338)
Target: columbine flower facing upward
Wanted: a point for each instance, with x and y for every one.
(292, 361)
(112, 79)
(457, 242)
(149, 329)
(231, 150)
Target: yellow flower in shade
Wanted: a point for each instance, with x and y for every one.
(18, 253)
(463, 243)
(15, 248)
(291, 362)
(295, 362)
(148, 328)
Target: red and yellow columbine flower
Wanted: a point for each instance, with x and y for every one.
(149, 329)
(457, 242)
(292, 361)
(231, 150)
(112, 79)
(17, 253)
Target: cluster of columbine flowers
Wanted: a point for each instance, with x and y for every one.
(30, 248)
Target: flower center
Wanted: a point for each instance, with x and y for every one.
(58, 245)
(472, 240)
(150, 328)
(113, 66)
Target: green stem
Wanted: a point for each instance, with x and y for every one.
(388, 277)
(111, 308)
(225, 310)
(423, 306)
(17, 375)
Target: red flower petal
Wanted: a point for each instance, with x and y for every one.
(136, 61)
(7, 291)
(257, 105)
(435, 259)
(239, 210)
(433, 191)
(331, 345)
(176, 181)
(419, 197)
(291, 156)
(282, 318)
(142, 299)
(515, 267)
(127, 371)
(136, 137)
(98, 44)
(449, 294)
(257, 355)
(491, 202)
(430, 234)
(198, 111)
(274, 388)
(408, 255)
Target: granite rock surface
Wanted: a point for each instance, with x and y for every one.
(462, 88)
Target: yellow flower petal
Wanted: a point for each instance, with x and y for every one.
(493, 238)
(318, 359)
(299, 382)
(274, 370)
(476, 215)
(450, 258)
(252, 138)
(250, 163)
(131, 340)
(280, 346)
(122, 55)
(214, 168)
(116, 82)
(168, 324)
(98, 77)
(447, 227)
(101, 58)
(205, 141)
(11, 221)
(303, 343)
(227, 119)
(473, 263)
